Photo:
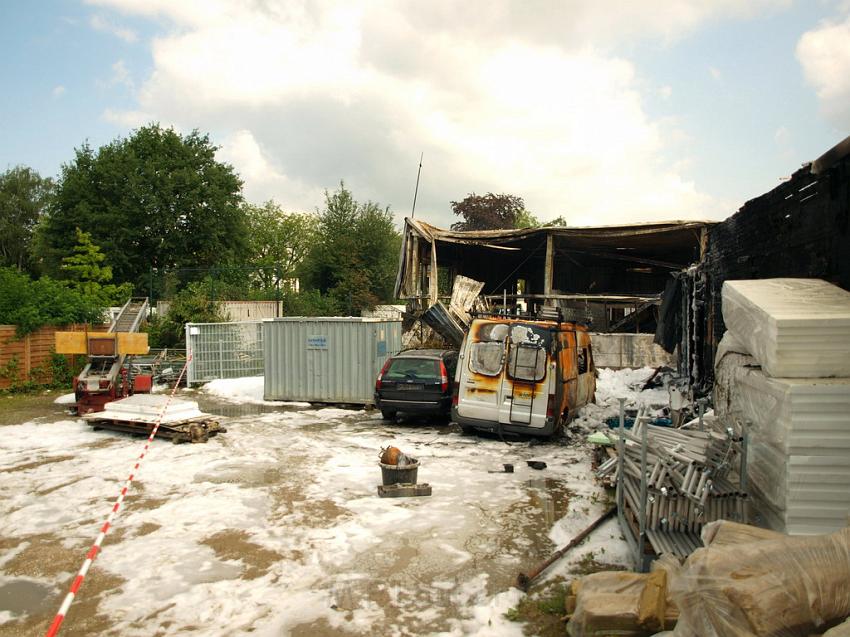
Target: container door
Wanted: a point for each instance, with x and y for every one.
(480, 381)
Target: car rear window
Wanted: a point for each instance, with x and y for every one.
(413, 369)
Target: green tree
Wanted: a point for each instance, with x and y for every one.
(278, 242)
(488, 212)
(88, 274)
(557, 222)
(525, 219)
(24, 194)
(30, 304)
(193, 304)
(156, 199)
(355, 256)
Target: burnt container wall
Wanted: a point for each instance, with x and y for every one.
(326, 360)
(799, 229)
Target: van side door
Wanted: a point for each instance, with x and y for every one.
(568, 371)
(586, 382)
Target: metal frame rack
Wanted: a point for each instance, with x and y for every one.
(670, 482)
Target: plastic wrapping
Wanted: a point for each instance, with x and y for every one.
(781, 587)
(619, 603)
(799, 441)
(842, 630)
(794, 328)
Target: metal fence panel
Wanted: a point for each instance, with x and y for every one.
(224, 350)
(322, 359)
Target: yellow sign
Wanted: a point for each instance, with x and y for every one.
(129, 343)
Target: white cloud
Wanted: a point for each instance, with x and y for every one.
(514, 99)
(264, 180)
(128, 119)
(665, 92)
(714, 72)
(121, 75)
(99, 23)
(58, 91)
(824, 53)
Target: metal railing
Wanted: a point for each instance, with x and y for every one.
(224, 350)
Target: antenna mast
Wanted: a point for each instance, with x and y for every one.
(416, 192)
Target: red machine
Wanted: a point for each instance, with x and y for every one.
(108, 375)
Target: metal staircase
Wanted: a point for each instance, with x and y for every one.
(131, 315)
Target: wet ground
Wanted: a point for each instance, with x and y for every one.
(275, 528)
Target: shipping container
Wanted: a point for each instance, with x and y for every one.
(327, 359)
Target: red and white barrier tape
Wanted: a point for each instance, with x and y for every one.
(92, 554)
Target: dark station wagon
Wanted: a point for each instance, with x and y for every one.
(417, 381)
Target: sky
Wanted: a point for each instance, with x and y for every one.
(600, 112)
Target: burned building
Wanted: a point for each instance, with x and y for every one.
(800, 229)
(610, 277)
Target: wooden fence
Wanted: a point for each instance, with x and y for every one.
(29, 358)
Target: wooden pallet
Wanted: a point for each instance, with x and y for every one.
(405, 490)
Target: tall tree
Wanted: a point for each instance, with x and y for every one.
(24, 195)
(87, 273)
(488, 212)
(278, 242)
(355, 256)
(156, 199)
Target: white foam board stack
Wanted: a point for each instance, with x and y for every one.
(799, 453)
(148, 408)
(794, 328)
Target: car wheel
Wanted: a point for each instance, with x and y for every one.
(388, 414)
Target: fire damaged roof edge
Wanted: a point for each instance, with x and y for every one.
(834, 154)
(430, 232)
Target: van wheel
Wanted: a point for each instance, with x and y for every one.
(388, 414)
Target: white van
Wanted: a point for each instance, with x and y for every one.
(522, 376)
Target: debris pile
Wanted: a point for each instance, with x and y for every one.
(671, 482)
(396, 457)
(452, 322)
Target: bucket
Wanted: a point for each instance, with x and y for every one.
(394, 474)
